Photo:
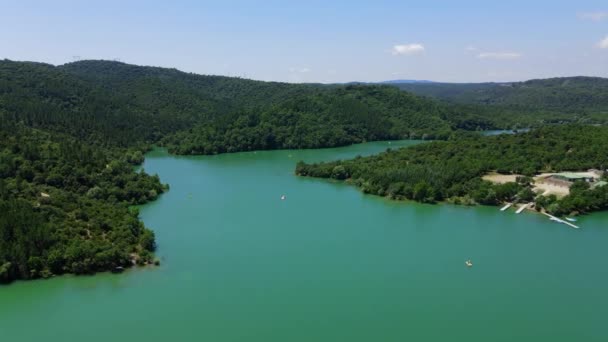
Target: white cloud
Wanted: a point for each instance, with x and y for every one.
(603, 44)
(299, 70)
(407, 49)
(471, 48)
(499, 55)
(595, 16)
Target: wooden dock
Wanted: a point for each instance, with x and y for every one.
(556, 219)
(523, 207)
(553, 218)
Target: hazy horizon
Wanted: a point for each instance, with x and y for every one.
(315, 42)
(396, 80)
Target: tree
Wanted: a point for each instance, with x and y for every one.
(421, 191)
(339, 172)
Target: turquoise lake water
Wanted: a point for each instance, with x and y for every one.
(328, 263)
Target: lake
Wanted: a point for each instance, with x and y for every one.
(328, 263)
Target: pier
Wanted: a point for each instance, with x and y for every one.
(553, 218)
(523, 207)
(506, 207)
(560, 220)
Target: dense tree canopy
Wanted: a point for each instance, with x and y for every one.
(534, 102)
(331, 117)
(452, 170)
(117, 104)
(65, 205)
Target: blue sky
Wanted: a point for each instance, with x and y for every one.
(319, 41)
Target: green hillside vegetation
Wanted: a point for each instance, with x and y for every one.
(116, 104)
(451, 170)
(322, 118)
(555, 100)
(65, 206)
(214, 114)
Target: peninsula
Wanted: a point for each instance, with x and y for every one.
(475, 169)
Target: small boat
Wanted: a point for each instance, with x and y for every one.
(469, 263)
(571, 219)
(283, 197)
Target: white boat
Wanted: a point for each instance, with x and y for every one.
(283, 197)
(469, 263)
(571, 219)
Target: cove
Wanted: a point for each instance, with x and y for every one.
(328, 263)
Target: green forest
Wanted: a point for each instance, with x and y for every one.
(451, 170)
(72, 135)
(554, 100)
(65, 206)
(117, 104)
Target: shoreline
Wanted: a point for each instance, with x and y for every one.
(109, 274)
(450, 201)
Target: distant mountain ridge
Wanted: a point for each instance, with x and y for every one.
(390, 82)
(407, 82)
(560, 94)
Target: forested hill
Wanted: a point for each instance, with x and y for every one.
(64, 205)
(224, 114)
(575, 95)
(67, 179)
(155, 87)
(117, 104)
(45, 97)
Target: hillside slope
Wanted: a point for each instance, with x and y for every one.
(114, 103)
(574, 95)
